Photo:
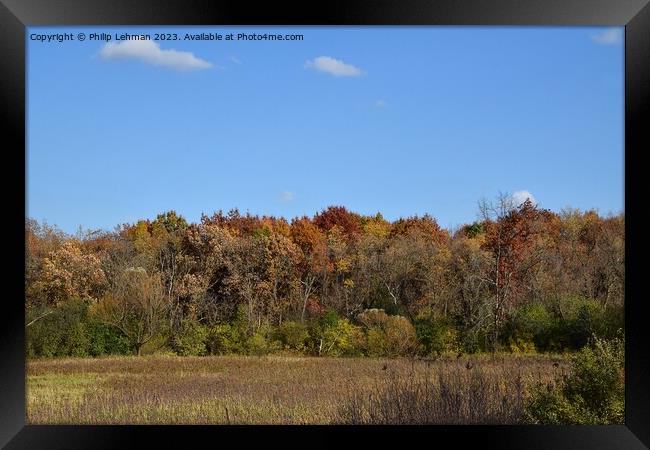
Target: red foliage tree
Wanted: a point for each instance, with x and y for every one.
(349, 222)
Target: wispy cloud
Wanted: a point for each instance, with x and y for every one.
(150, 52)
(381, 103)
(287, 196)
(520, 197)
(609, 36)
(333, 66)
(235, 60)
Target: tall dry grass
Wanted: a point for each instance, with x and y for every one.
(448, 394)
(280, 390)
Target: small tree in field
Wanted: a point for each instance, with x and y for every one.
(136, 306)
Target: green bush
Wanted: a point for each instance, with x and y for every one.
(474, 340)
(339, 339)
(225, 339)
(43, 338)
(261, 343)
(436, 337)
(530, 328)
(191, 340)
(584, 318)
(106, 340)
(69, 331)
(329, 319)
(592, 393)
(569, 326)
(58, 332)
(292, 335)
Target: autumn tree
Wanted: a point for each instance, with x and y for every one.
(338, 286)
(470, 268)
(413, 271)
(246, 278)
(209, 251)
(280, 259)
(68, 272)
(41, 241)
(349, 223)
(313, 263)
(166, 237)
(135, 305)
(425, 225)
(510, 233)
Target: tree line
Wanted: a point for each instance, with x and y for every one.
(520, 278)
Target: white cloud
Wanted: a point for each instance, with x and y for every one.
(235, 60)
(609, 36)
(150, 52)
(381, 103)
(520, 197)
(287, 196)
(333, 67)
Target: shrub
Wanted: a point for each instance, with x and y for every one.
(436, 337)
(329, 319)
(191, 340)
(292, 335)
(373, 317)
(388, 335)
(530, 328)
(583, 318)
(260, 342)
(106, 340)
(158, 344)
(519, 345)
(592, 393)
(474, 340)
(225, 339)
(341, 339)
(58, 332)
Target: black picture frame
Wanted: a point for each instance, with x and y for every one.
(15, 15)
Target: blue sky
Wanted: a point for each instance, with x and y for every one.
(402, 120)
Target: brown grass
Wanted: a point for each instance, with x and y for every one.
(281, 389)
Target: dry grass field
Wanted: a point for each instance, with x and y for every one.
(283, 389)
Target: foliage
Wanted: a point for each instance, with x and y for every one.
(592, 393)
(584, 317)
(58, 332)
(261, 343)
(191, 341)
(530, 328)
(292, 335)
(521, 278)
(436, 337)
(339, 338)
(388, 335)
(225, 339)
(135, 306)
(69, 272)
(105, 340)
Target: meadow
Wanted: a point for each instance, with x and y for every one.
(285, 389)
